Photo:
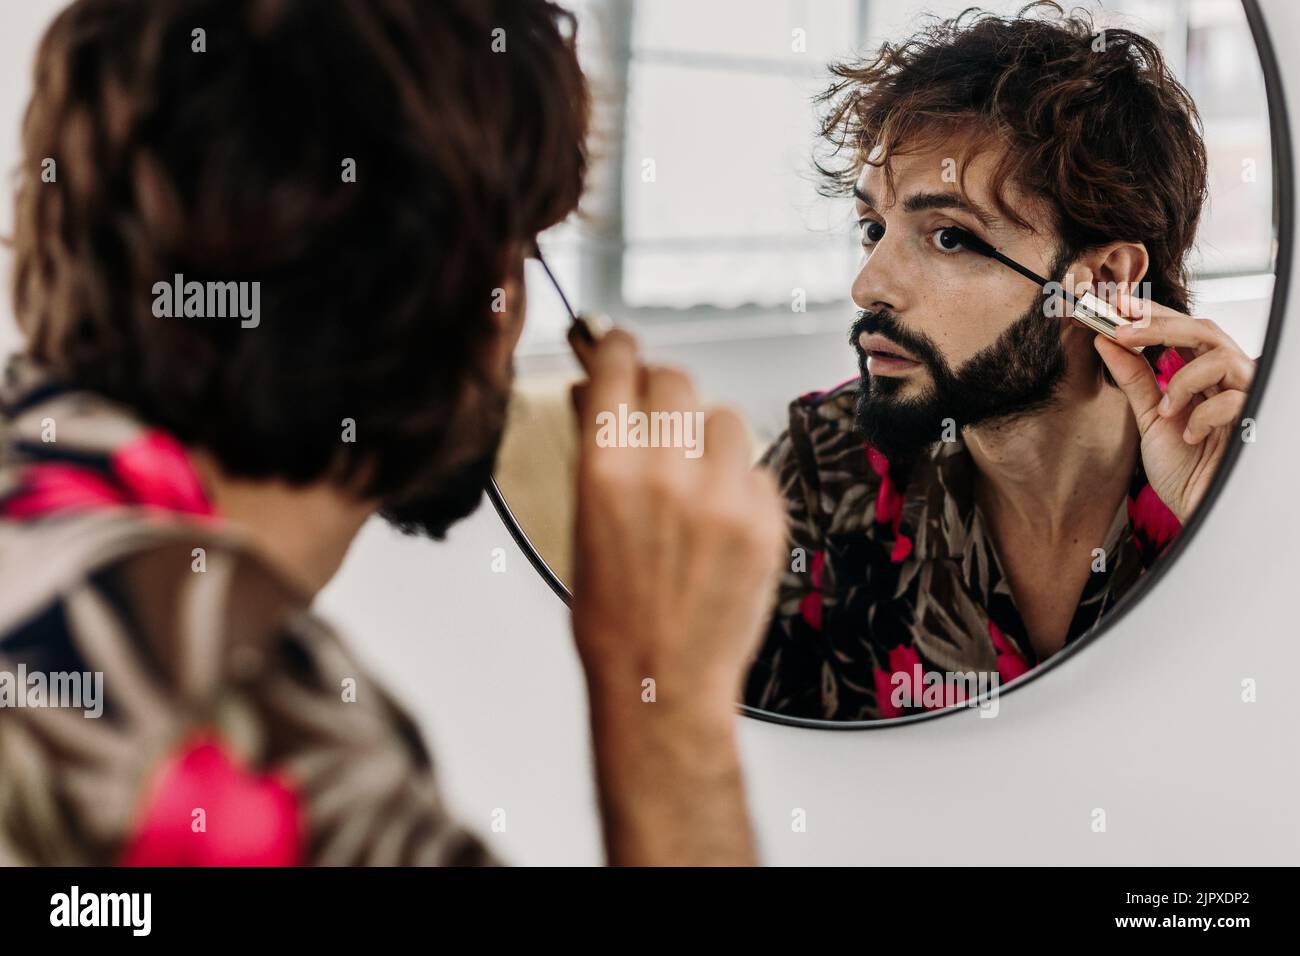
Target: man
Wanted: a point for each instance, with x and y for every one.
(983, 493)
(268, 262)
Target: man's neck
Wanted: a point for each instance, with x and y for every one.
(1052, 472)
(302, 531)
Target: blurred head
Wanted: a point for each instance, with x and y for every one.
(378, 168)
(1074, 152)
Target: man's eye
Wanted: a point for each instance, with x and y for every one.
(945, 240)
(872, 231)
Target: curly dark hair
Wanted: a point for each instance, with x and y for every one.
(227, 165)
(1092, 123)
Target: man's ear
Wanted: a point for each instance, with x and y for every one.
(1116, 266)
(508, 304)
(508, 297)
(1107, 270)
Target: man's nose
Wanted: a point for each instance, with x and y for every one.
(879, 282)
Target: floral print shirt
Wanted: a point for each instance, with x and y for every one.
(894, 581)
(233, 726)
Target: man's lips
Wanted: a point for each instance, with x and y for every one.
(882, 347)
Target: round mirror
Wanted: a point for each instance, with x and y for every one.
(900, 239)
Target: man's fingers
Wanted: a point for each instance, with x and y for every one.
(668, 389)
(1216, 412)
(1141, 312)
(613, 379)
(1134, 377)
(580, 396)
(1211, 373)
(726, 440)
(1155, 324)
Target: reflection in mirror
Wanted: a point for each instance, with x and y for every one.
(878, 254)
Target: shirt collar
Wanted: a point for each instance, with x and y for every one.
(64, 449)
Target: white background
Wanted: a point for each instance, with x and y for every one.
(1146, 724)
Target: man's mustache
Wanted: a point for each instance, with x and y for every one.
(884, 323)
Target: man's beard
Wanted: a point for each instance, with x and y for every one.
(432, 511)
(1014, 376)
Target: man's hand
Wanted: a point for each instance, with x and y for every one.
(676, 563)
(1184, 437)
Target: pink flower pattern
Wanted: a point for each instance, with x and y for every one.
(153, 471)
(203, 809)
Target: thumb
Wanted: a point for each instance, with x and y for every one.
(579, 395)
(1132, 374)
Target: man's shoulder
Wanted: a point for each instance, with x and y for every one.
(154, 565)
(191, 652)
(826, 470)
(827, 409)
(818, 419)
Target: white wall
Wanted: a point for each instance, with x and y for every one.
(1146, 723)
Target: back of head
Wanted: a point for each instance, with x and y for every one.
(374, 165)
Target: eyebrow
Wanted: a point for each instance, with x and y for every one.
(920, 202)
